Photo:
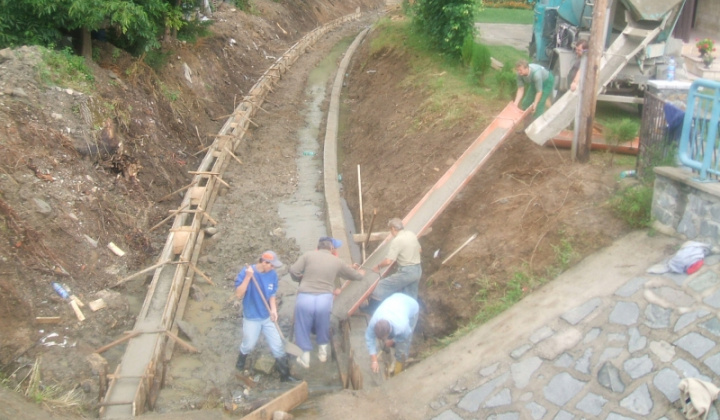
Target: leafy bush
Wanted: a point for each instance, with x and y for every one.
(622, 132)
(194, 30)
(633, 204)
(156, 59)
(506, 81)
(480, 62)
(445, 23)
(466, 52)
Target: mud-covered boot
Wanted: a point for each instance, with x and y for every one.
(240, 364)
(282, 365)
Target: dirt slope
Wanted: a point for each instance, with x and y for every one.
(525, 203)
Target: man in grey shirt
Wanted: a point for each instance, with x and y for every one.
(317, 271)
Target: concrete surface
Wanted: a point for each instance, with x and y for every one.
(514, 35)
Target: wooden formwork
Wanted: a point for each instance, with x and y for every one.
(172, 279)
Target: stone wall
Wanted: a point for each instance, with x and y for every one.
(707, 16)
(690, 207)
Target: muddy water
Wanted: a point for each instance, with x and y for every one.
(208, 380)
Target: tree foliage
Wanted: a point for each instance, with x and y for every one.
(445, 23)
(134, 24)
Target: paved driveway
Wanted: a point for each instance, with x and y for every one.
(515, 35)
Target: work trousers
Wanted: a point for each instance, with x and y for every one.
(251, 330)
(405, 280)
(530, 92)
(312, 313)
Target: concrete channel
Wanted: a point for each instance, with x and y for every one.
(135, 384)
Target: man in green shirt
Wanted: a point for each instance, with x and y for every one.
(535, 85)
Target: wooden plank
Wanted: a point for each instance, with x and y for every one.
(47, 319)
(284, 402)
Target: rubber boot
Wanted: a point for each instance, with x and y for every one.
(323, 352)
(282, 365)
(240, 364)
(304, 359)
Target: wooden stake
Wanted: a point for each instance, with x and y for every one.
(470, 239)
(182, 342)
(202, 150)
(200, 273)
(362, 216)
(176, 191)
(372, 222)
(128, 278)
(116, 342)
(233, 155)
(199, 138)
(174, 213)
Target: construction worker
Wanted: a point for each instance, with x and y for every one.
(535, 85)
(260, 315)
(581, 48)
(392, 323)
(317, 271)
(405, 251)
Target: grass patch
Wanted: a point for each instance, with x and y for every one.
(452, 91)
(53, 397)
(63, 68)
(522, 282)
(611, 114)
(499, 15)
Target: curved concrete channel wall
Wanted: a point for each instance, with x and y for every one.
(138, 378)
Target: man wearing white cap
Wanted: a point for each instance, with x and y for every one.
(256, 317)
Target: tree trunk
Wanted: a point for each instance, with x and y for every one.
(86, 44)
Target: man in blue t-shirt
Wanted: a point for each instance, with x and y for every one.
(256, 317)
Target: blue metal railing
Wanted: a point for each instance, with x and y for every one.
(699, 140)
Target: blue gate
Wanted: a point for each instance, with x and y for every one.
(699, 141)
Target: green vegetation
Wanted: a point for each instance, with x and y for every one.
(523, 281)
(444, 23)
(135, 25)
(504, 15)
(194, 30)
(451, 88)
(622, 132)
(633, 204)
(54, 397)
(63, 68)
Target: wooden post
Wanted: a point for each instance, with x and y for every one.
(588, 98)
(362, 228)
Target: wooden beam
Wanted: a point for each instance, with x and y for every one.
(128, 278)
(173, 213)
(284, 402)
(588, 100)
(182, 342)
(116, 342)
(374, 236)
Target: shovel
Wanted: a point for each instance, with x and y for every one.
(291, 348)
